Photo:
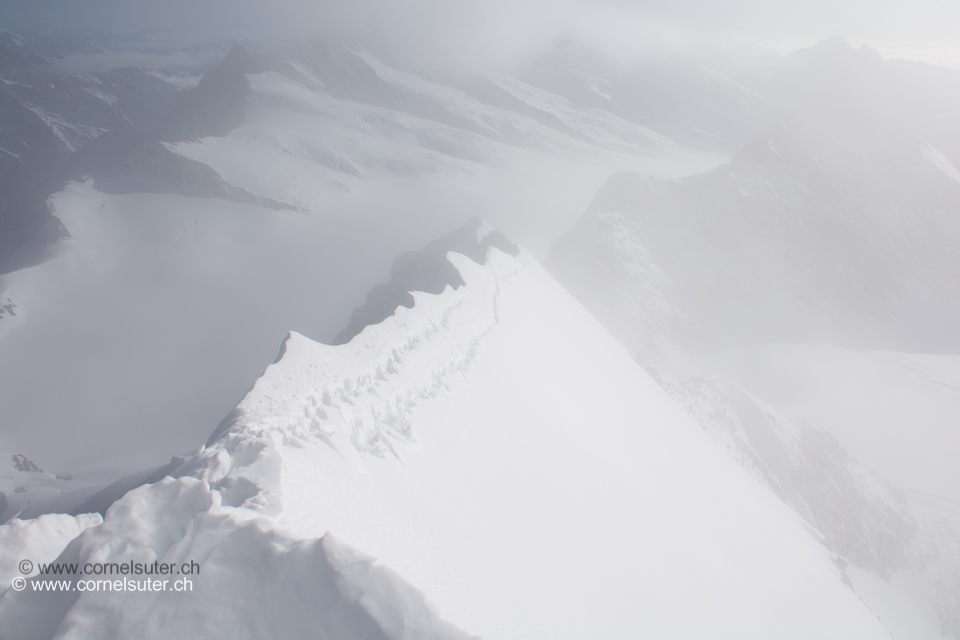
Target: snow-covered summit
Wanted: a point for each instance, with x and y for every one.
(497, 448)
(426, 270)
(356, 396)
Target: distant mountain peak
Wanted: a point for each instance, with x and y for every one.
(23, 463)
(217, 105)
(835, 49)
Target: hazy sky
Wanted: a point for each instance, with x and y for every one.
(494, 19)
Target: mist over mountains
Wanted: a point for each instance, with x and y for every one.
(724, 406)
(838, 223)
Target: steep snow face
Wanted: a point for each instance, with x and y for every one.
(838, 226)
(903, 544)
(498, 449)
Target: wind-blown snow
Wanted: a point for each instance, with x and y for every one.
(251, 581)
(40, 540)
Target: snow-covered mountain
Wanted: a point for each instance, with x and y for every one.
(78, 109)
(51, 110)
(511, 468)
(258, 178)
(838, 225)
(493, 445)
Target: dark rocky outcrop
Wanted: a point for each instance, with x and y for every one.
(216, 106)
(426, 270)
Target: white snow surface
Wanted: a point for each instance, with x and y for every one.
(940, 161)
(896, 412)
(498, 449)
(251, 581)
(39, 540)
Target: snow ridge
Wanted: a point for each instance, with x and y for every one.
(324, 441)
(356, 398)
(224, 501)
(426, 270)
